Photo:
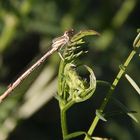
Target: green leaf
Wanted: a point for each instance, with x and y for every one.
(82, 34)
(87, 93)
(131, 115)
(100, 115)
(136, 43)
(133, 83)
(75, 85)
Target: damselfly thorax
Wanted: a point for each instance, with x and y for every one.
(59, 42)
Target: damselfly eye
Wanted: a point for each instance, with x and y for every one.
(70, 32)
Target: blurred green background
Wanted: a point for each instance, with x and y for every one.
(26, 30)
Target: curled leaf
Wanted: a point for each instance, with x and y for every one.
(77, 90)
(82, 34)
(92, 85)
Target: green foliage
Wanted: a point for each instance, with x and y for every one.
(133, 83)
(27, 28)
(71, 87)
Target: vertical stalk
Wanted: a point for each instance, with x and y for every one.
(63, 122)
(110, 92)
(63, 117)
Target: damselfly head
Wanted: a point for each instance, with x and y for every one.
(69, 33)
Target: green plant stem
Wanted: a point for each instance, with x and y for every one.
(64, 123)
(63, 118)
(111, 90)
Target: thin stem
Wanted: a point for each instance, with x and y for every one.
(111, 90)
(63, 109)
(64, 123)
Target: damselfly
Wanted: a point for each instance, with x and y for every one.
(57, 44)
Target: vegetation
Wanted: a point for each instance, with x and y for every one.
(93, 96)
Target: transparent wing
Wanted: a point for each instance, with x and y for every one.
(58, 39)
(58, 44)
